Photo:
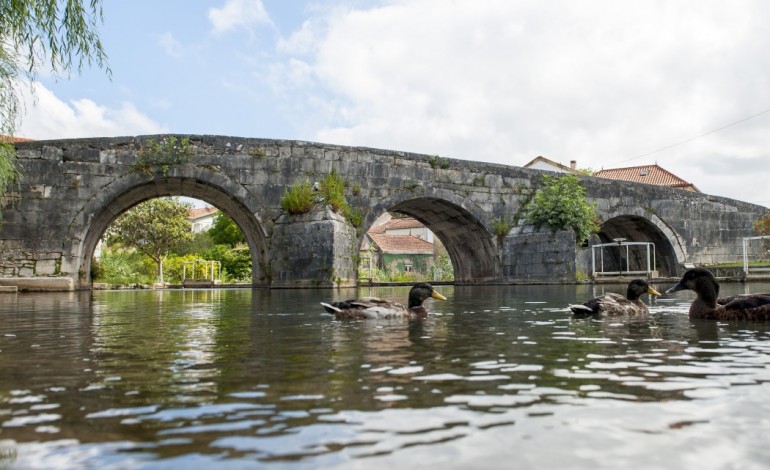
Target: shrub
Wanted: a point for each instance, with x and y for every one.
(298, 198)
(333, 191)
(561, 203)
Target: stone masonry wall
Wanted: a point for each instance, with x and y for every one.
(73, 189)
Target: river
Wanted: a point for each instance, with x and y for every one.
(496, 377)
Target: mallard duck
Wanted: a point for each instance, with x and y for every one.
(615, 304)
(708, 304)
(373, 308)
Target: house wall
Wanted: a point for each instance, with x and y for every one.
(421, 264)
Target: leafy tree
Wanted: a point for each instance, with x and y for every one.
(561, 203)
(236, 262)
(61, 35)
(121, 266)
(762, 226)
(225, 232)
(153, 227)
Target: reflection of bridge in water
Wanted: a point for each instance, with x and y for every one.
(73, 189)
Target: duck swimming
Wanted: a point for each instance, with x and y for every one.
(615, 304)
(374, 308)
(708, 305)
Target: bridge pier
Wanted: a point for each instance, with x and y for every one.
(316, 249)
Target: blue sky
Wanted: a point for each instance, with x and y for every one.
(608, 83)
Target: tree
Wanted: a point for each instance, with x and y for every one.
(154, 227)
(225, 232)
(561, 203)
(61, 35)
(762, 227)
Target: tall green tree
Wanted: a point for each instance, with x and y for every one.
(55, 34)
(154, 227)
(561, 203)
(224, 231)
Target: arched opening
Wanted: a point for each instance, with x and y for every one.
(400, 248)
(471, 248)
(101, 219)
(632, 228)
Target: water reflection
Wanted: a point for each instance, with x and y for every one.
(250, 377)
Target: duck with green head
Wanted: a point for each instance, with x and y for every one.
(375, 308)
(615, 304)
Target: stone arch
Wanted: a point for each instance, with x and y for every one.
(461, 226)
(644, 228)
(123, 194)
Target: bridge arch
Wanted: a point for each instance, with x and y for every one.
(126, 193)
(461, 226)
(645, 227)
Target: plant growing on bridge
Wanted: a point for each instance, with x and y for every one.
(153, 227)
(298, 198)
(501, 226)
(561, 203)
(332, 190)
(162, 155)
(438, 162)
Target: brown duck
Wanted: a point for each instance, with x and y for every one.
(612, 304)
(374, 308)
(708, 304)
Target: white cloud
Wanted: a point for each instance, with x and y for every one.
(170, 45)
(599, 82)
(238, 13)
(48, 117)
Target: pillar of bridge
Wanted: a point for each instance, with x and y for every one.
(316, 249)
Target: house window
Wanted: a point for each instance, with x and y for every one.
(408, 268)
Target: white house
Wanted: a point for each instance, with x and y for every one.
(202, 218)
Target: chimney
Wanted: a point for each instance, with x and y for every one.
(573, 164)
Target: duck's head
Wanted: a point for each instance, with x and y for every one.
(637, 287)
(699, 280)
(422, 291)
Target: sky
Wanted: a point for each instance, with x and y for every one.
(608, 83)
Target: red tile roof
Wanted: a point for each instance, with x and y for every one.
(14, 140)
(649, 174)
(400, 223)
(401, 244)
(201, 212)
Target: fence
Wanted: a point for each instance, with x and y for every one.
(643, 257)
(754, 269)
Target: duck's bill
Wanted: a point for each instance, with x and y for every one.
(436, 295)
(652, 291)
(676, 288)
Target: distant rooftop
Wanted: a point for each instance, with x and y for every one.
(14, 140)
(401, 244)
(400, 223)
(201, 212)
(542, 163)
(648, 174)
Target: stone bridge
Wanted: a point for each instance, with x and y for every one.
(73, 189)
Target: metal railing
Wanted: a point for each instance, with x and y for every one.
(621, 245)
(754, 269)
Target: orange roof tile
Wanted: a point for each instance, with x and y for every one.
(13, 140)
(397, 224)
(201, 212)
(402, 244)
(648, 174)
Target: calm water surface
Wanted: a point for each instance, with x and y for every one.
(497, 377)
